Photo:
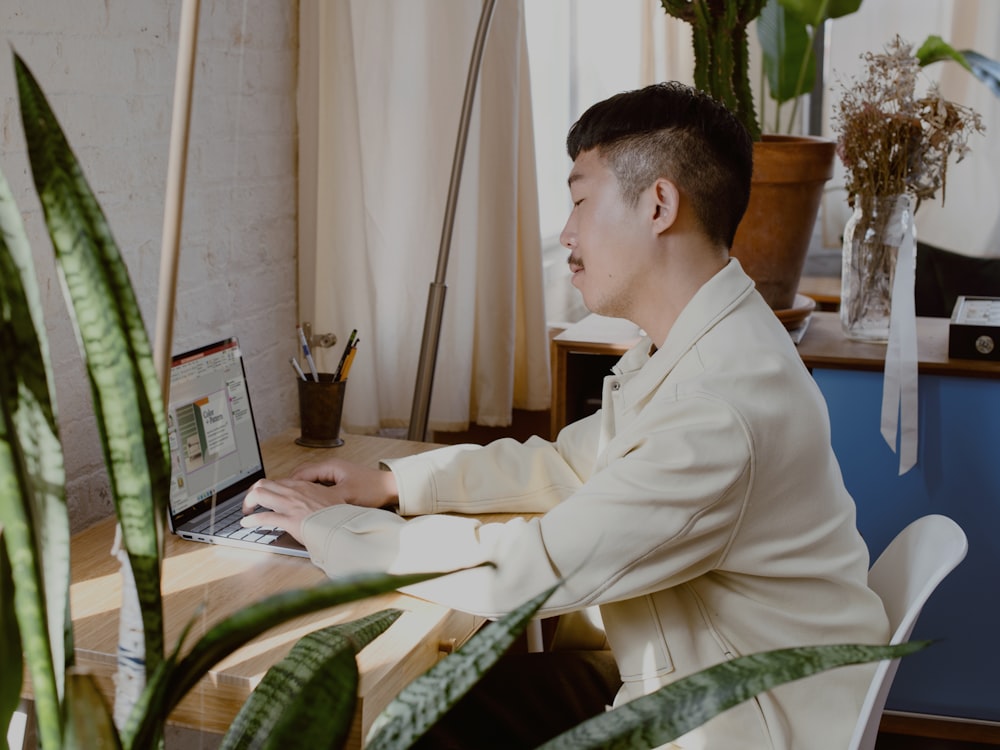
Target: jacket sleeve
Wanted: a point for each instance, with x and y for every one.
(503, 477)
(661, 511)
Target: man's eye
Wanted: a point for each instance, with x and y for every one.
(577, 203)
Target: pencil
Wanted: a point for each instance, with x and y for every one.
(349, 361)
(343, 357)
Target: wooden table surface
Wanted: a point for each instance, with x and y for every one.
(825, 345)
(203, 583)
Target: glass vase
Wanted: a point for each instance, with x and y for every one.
(872, 238)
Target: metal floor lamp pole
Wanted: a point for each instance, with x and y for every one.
(435, 296)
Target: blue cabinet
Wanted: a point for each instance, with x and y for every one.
(957, 475)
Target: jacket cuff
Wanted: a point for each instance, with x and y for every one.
(414, 483)
(345, 539)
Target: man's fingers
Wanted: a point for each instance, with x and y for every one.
(264, 493)
(261, 518)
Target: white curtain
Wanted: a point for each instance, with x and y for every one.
(381, 86)
(969, 220)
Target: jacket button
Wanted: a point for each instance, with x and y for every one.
(616, 386)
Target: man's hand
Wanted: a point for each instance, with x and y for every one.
(312, 487)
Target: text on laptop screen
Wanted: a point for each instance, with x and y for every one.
(213, 440)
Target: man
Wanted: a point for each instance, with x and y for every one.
(702, 509)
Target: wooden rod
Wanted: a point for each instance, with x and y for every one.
(174, 207)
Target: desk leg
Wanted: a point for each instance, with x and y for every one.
(558, 390)
(534, 636)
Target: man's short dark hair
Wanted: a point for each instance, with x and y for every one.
(674, 131)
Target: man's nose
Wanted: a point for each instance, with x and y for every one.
(567, 238)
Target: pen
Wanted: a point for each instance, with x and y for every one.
(295, 364)
(309, 356)
(343, 357)
(349, 361)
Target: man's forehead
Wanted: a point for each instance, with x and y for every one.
(587, 164)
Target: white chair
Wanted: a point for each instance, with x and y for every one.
(904, 576)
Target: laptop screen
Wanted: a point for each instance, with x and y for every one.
(214, 451)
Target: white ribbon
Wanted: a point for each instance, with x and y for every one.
(899, 391)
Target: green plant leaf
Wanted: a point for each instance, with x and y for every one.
(32, 478)
(985, 69)
(114, 345)
(89, 725)
(814, 12)
(175, 678)
(10, 642)
(786, 46)
(786, 30)
(421, 703)
(676, 709)
(307, 699)
(935, 49)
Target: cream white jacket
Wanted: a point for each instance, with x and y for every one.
(702, 509)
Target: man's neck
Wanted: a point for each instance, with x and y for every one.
(679, 287)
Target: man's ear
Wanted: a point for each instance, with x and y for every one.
(666, 204)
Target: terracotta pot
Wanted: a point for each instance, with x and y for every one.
(772, 241)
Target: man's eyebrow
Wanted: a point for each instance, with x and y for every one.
(573, 177)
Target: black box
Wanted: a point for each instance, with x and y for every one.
(974, 331)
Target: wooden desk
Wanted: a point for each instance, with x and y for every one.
(583, 354)
(824, 345)
(581, 357)
(206, 582)
(824, 289)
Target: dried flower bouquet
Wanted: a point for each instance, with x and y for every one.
(895, 146)
(892, 141)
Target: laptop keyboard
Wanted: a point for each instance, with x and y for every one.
(227, 524)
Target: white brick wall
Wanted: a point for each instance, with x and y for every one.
(107, 67)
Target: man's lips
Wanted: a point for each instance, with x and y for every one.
(575, 264)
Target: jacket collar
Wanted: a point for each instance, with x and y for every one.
(715, 300)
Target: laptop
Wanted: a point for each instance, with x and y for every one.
(215, 452)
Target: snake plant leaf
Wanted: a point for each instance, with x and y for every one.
(682, 706)
(89, 725)
(114, 346)
(10, 642)
(307, 699)
(171, 683)
(421, 703)
(32, 478)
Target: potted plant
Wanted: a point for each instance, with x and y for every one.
(790, 171)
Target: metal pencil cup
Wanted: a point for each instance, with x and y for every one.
(320, 407)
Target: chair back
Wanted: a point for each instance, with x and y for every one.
(904, 576)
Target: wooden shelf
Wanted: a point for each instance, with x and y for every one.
(583, 353)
